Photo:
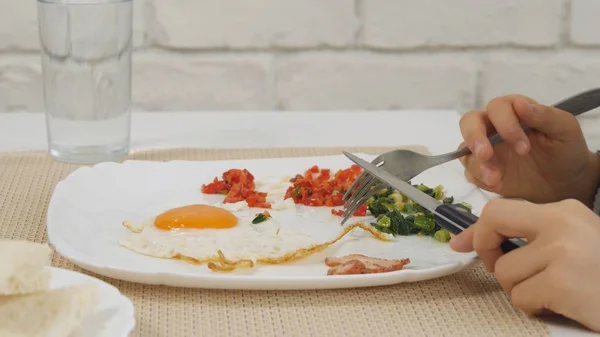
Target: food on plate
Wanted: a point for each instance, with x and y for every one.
(260, 217)
(395, 213)
(57, 312)
(196, 216)
(300, 253)
(318, 188)
(227, 248)
(361, 264)
(398, 215)
(237, 185)
(244, 241)
(22, 267)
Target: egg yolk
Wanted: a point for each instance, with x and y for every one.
(195, 216)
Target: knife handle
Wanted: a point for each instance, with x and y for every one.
(450, 215)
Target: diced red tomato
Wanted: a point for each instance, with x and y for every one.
(237, 185)
(316, 188)
(338, 212)
(361, 211)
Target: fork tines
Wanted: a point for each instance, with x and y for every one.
(363, 188)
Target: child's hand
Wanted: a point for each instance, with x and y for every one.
(549, 164)
(558, 270)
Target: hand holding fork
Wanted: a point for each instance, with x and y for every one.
(406, 164)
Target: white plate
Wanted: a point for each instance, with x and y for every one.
(113, 314)
(88, 207)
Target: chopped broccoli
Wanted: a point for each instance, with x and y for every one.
(385, 192)
(398, 224)
(398, 215)
(384, 220)
(425, 223)
(408, 208)
(438, 192)
(382, 229)
(381, 206)
(442, 235)
(424, 188)
(397, 198)
(412, 207)
(467, 205)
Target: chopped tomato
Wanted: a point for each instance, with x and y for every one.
(338, 212)
(317, 187)
(361, 211)
(237, 185)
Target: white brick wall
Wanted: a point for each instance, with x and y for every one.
(332, 54)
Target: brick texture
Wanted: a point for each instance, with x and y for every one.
(332, 54)
(18, 25)
(201, 83)
(431, 23)
(21, 84)
(375, 82)
(258, 23)
(584, 23)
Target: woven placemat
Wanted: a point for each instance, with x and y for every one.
(469, 303)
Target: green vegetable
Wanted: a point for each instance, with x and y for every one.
(412, 207)
(382, 229)
(296, 192)
(384, 221)
(260, 217)
(442, 235)
(381, 205)
(424, 188)
(425, 223)
(385, 192)
(438, 192)
(397, 198)
(403, 225)
(467, 205)
(398, 215)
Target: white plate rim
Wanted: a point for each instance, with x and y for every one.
(223, 280)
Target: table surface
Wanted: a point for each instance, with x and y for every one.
(436, 129)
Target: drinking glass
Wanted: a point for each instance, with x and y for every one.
(86, 67)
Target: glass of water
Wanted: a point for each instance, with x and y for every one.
(86, 65)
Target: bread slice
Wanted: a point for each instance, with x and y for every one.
(22, 267)
(52, 313)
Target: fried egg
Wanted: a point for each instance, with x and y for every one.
(199, 232)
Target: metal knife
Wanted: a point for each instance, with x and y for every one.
(454, 218)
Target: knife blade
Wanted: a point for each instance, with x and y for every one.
(454, 218)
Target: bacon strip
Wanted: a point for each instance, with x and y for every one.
(361, 264)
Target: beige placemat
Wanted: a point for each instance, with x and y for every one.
(469, 303)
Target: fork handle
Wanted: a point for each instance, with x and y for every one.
(452, 217)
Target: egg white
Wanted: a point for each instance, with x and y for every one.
(244, 241)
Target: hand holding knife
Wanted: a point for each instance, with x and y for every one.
(454, 218)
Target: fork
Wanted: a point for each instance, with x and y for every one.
(407, 164)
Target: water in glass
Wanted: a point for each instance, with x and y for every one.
(86, 63)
